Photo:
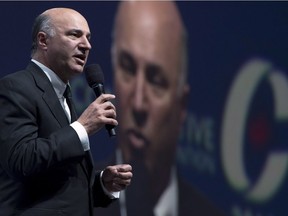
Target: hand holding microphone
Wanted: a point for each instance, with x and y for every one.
(101, 111)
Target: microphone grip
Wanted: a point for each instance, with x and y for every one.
(98, 90)
(111, 130)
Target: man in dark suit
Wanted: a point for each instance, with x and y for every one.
(46, 167)
(150, 76)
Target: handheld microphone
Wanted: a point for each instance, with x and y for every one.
(95, 80)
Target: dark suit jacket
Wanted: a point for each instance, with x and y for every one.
(43, 167)
(190, 201)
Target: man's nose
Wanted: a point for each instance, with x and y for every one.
(85, 43)
(140, 100)
(139, 92)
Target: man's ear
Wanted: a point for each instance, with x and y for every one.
(42, 40)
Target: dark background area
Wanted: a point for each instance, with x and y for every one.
(223, 36)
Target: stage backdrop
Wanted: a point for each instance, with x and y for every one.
(234, 144)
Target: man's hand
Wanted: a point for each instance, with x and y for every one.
(100, 112)
(118, 177)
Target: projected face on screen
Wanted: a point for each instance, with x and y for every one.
(151, 108)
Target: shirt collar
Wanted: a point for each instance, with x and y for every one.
(58, 85)
(168, 202)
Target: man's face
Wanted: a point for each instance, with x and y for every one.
(150, 108)
(68, 50)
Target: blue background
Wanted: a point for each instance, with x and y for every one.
(222, 37)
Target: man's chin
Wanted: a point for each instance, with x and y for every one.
(77, 70)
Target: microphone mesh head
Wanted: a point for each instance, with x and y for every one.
(94, 75)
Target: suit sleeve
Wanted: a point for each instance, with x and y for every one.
(99, 196)
(25, 150)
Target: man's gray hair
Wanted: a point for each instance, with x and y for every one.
(42, 23)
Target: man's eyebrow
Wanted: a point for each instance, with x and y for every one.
(79, 31)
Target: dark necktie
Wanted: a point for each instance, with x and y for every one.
(67, 94)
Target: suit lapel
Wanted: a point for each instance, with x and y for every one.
(49, 95)
(56, 108)
(52, 101)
